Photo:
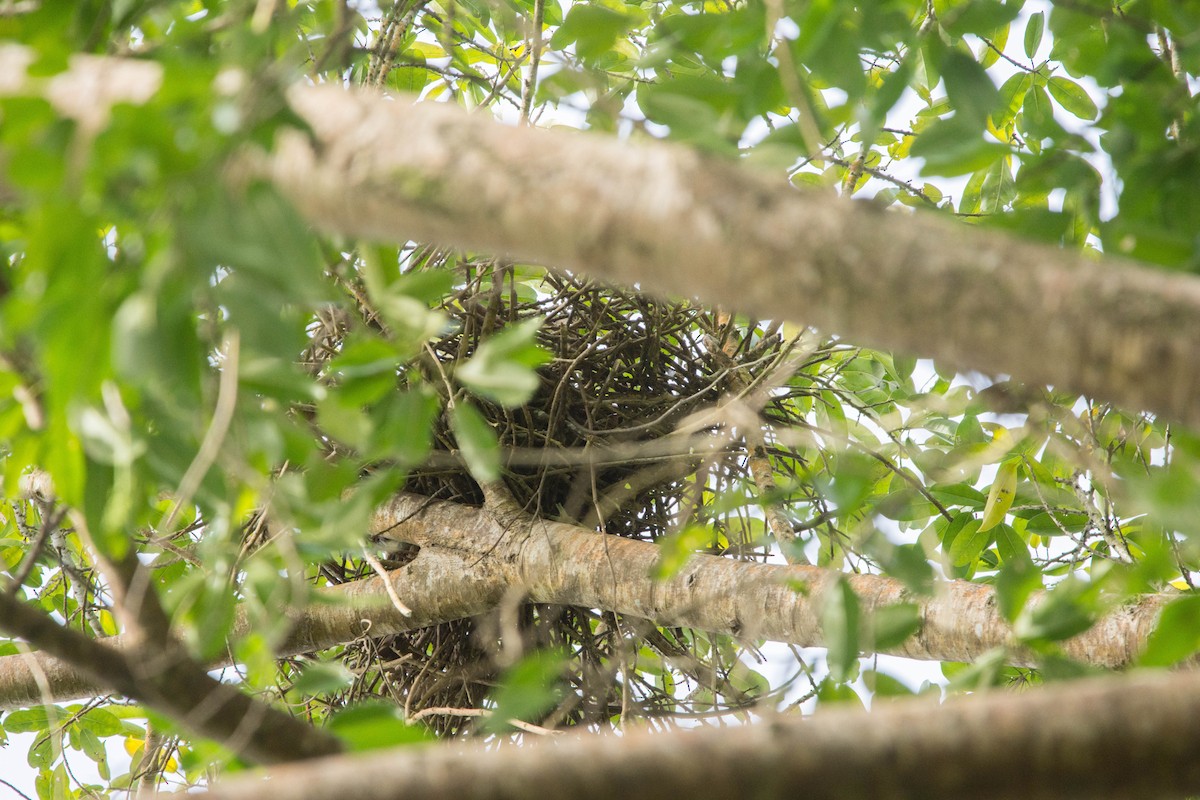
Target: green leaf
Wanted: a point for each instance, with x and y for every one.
(969, 544)
(592, 28)
(504, 368)
(1072, 97)
(258, 232)
(893, 624)
(529, 689)
(28, 720)
(477, 441)
(980, 17)
(1069, 609)
(834, 692)
(1001, 496)
(374, 725)
(840, 622)
(404, 427)
(883, 685)
(408, 79)
(956, 147)
(322, 678)
(345, 421)
(1177, 634)
(907, 563)
(102, 722)
(1012, 95)
(971, 91)
(676, 549)
(1017, 580)
(1035, 28)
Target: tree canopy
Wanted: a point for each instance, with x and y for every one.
(375, 373)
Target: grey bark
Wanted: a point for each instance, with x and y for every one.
(470, 557)
(1107, 738)
(670, 220)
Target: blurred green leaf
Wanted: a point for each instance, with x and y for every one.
(504, 368)
(893, 624)
(374, 725)
(527, 690)
(1176, 636)
(676, 549)
(322, 678)
(840, 622)
(476, 440)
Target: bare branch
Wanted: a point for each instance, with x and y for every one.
(673, 221)
(1137, 736)
(470, 557)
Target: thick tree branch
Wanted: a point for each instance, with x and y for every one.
(562, 564)
(1109, 738)
(471, 556)
(438, 586)
(670, 220)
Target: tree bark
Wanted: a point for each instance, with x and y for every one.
(438, 586)
(471, 556)
(668, 219)
(1108, 738)
(168, 681)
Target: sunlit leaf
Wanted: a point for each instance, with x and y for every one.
(1073, 97)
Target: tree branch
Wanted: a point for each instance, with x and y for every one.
(671, 220)
(674, 221)
(439, 586)
(470, 556)
(1138, 736)
(174, 686)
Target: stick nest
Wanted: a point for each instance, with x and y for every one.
(598, 445)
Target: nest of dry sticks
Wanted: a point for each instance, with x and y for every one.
(608, 441)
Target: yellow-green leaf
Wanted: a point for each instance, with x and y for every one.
(1071, 96)
(1034, 28)
(1000, 498)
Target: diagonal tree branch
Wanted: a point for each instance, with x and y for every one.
(438, 586)
(668, 219)
(173, 685)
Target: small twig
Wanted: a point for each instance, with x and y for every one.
(387, 583)
(535, 57)
(210, 446)
(3, 782)
(486, 713)
(50, 522)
